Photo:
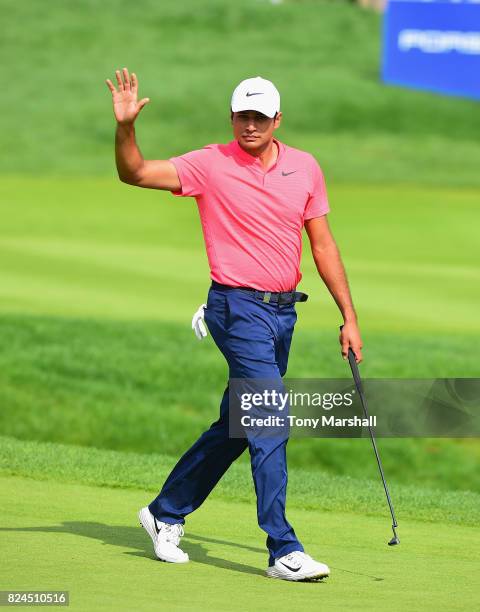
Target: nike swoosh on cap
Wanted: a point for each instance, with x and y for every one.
(254, 93)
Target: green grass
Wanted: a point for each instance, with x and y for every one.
(100, 280)
(115, 385)
(324, 57)
(98, 248)
(74, 536)
(308, 489)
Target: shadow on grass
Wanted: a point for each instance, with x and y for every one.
(135, 537)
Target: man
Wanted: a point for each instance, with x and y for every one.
(255, 195)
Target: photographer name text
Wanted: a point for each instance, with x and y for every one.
(311, 423)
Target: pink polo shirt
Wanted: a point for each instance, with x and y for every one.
(252, 220)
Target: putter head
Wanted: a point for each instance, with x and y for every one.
(395, 539)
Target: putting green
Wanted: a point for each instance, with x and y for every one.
(87, 540)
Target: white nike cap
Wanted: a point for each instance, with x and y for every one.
(256, 94)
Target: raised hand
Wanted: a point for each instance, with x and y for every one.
(125, 104)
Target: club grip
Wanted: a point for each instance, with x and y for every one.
(354, 367)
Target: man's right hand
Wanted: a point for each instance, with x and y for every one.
(125, 105)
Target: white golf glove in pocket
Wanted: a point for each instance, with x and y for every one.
(198, 323)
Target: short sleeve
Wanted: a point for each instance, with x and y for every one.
(192, 169)
(317, 204)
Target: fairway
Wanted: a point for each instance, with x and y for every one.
(100, 281)
(99, 248)
(87, 540)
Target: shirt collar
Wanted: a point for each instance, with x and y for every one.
(252, 159)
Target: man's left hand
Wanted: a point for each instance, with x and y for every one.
(350, 337)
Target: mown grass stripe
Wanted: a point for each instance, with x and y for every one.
(307, 489)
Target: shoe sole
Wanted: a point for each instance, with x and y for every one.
(274, 573)
(146, 522)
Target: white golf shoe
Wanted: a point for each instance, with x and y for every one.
(298, 566)
(165, 537)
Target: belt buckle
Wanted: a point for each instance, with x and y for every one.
(266, 297)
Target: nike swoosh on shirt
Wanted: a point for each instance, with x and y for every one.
(292, 569)
(287, 173)
(254, 93)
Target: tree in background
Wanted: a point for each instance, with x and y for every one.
(378, 5)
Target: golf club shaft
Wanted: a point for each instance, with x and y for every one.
(356, 377)
(358, 383)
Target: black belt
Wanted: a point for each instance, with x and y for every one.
(275, 297)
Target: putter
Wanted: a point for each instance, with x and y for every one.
(358, 384)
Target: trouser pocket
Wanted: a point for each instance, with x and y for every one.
(216, 316)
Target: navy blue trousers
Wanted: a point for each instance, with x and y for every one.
(255, 339)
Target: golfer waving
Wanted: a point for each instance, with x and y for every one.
(254, 194)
